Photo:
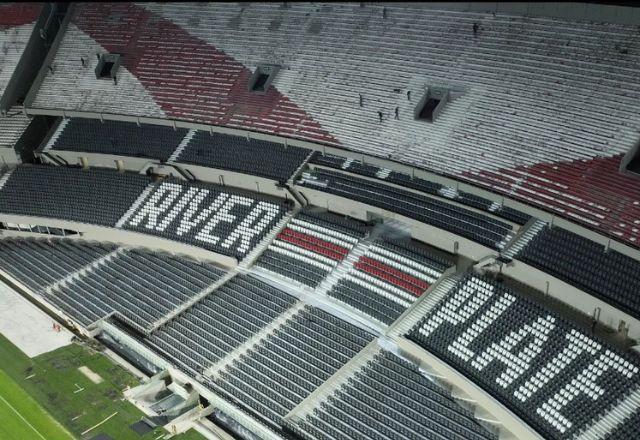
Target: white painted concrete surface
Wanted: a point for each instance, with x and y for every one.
(26, 326)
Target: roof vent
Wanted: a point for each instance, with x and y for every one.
(108, 64)
(431, 104)
(263, 77)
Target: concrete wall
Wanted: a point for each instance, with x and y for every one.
(125, 238)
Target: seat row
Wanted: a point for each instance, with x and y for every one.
(310, 247)
(606, 274)
(477, 227)
(550, 372)
(389, 398)
(429, 187)
(289, 364)
(219, 323)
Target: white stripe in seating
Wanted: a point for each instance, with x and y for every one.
(376, 290)
(327, 231)
(383, 285)
(402, 267)
(306, 252)
(405, 260)
(321, 236)
(299, 257)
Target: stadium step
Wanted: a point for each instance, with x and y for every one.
(344, 267)
(528, 232)
(183, 144)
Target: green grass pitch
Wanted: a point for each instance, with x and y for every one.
(41, 391)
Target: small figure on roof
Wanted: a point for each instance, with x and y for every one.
(360, 96)
(380, 116)
(408, 95)
(475, 29)
(397, 112)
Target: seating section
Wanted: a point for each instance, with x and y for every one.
(17, 22)
(426, 186)
(226, 221)
(96, 196)
(388, 278)
(12, 127)
(606, 274)
(545, 369)
(311, 246)
(140, 286)
(390, 399)
(628, 430)
(116, 137)
(250, 156)
(38, 263)
(290, 363)
(219, 323)
(485, 230)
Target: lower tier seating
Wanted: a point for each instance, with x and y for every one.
(96, 196)
(429, 187)
(140, 286)
(311, 246)
(388, 278)
(608, 275)
(477, 227)
(546, 370)
(38, 263)
(117, 138)
(289, 364)
(390, 399)
(219, 323)
(237, 153)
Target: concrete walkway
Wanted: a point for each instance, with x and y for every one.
(28, 327)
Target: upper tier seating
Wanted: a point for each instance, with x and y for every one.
(218, 324)
(96, 196)
(542, 109)
(477, 227)
(388, 278)
(142, 287)
(404, 179)
(226, 221)
(550, 373)
(38, 263)
(608, 275)
(311, 246)
(116, 137)
(17, 21)
(250, 156)
(390, 399)
(289, 364)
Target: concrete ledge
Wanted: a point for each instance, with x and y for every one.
(123, 237)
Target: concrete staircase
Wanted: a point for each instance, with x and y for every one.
(343, 268)
(252, 256)
(528, 232)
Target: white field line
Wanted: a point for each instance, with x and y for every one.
(22, 418)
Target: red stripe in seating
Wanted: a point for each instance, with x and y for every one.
(315, 240)
(311, 247)
(17, 14)
(395, 272)
(388, 278)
